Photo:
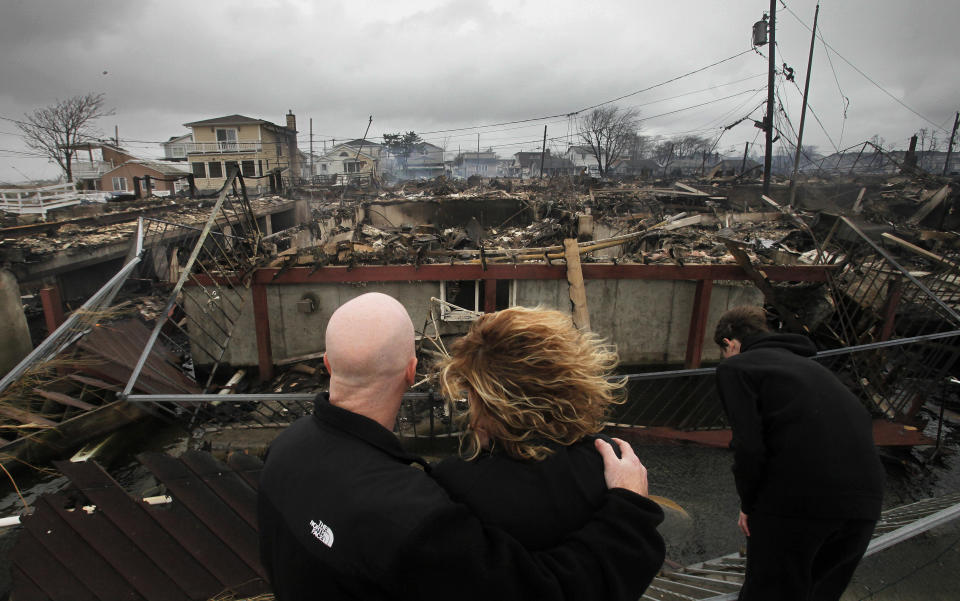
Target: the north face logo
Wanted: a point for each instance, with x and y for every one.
(321, 532)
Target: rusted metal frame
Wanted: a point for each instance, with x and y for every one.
(227, 282)
(847, 329)
(186, 227)
(261, 320)
(205, 332)
(231, 260)
(245, 199)
(176, 345)
(52, 307)
(236, 219)
(218, 286)
(213, 318)
(162, 319)
(698, 323)
(489, 295)
(953, 314)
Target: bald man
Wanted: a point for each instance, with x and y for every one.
(345, 513)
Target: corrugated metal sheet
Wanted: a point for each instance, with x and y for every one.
(200, 545)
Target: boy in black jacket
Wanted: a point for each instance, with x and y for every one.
(806, 469)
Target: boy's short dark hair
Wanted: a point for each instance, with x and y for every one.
(739, 323)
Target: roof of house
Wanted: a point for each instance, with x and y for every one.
(360, 142)
(334, 153)
(163, 167)
(237, 120)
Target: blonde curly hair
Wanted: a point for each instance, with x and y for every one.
(530, 377)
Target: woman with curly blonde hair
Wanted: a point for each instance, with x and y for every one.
(537, 392)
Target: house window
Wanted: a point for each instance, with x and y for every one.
(249, 169)
(119, 184)
(467, 296)
(227, 140)
(230, 167)
(199, 170)
(352, 166)
(216, 169)
(323, 167)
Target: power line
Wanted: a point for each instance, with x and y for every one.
(867, 77)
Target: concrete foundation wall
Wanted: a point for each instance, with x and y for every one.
(648, 320)
(13, 324)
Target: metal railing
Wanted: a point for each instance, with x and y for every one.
(206, 303)
(37, 201)
(80, 321)
(218, 147)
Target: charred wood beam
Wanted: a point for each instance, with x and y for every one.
(762, 281)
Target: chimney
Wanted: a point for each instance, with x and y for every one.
(291, 121)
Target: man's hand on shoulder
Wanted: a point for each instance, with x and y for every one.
(625, 471)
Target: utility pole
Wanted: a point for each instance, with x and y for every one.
(312, 172)
(478, 154)
(743, 164)
(543, 150)
(768, 120)
(953, 134)
(803, 110)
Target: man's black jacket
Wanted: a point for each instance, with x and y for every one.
(803, 443)
(344, 515)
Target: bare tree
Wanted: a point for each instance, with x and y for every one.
(607, 132)
(664, 153)
(56, 130)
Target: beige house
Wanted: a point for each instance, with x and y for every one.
(254, 146)
(348, 161)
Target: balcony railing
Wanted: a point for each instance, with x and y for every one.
(220, 147)
(90, 170)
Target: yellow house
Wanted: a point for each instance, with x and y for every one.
(254, 146)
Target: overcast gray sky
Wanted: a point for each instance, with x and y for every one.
(429, 65)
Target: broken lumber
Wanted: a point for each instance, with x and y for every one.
(763, 283)
(63, 399)
(298, 359)
(920, 251)
(578, 293)
(929, 206)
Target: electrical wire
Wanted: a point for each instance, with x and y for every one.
(867, 77)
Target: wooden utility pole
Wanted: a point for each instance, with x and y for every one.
(953, 134)
(803, 110)
(768, 120)
(743, 164)
(312, 172)
(543, 150)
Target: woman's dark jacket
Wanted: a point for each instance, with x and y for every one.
(803, 443)
(541, 502)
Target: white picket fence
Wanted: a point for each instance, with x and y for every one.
(38, 201)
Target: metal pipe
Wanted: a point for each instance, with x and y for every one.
(66, 327)
(246, 398)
